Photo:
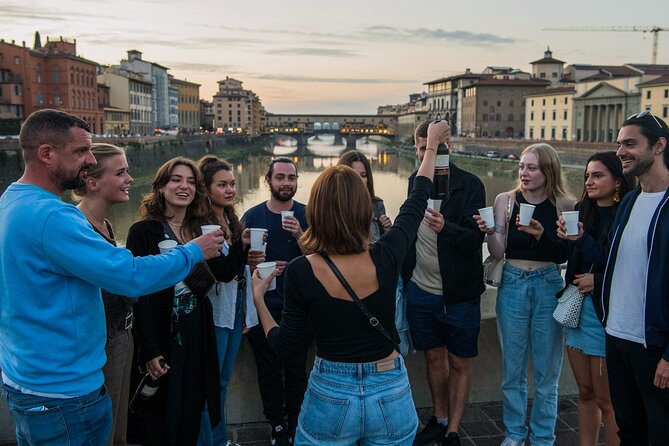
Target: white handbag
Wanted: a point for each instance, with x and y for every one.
(570, 304)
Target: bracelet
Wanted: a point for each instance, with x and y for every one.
(433, 149)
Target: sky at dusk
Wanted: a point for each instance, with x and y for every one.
(341, 56)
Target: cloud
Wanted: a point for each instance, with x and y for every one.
(466, 37)
(329, 80)
(323, 52)
(202, 67)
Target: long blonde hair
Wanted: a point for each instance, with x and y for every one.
(550, 166)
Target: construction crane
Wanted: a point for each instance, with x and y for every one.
(644, 29)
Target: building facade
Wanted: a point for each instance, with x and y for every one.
(549, 69)
(496, 107)
(188, 105)
(549, 114)
(655, 96)
(155, 75)
(237, 110)
(49, 76)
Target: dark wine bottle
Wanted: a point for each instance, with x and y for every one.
(440, 184)
(146, 389)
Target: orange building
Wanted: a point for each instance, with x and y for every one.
(51, 76)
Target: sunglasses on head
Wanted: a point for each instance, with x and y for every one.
(645, 113)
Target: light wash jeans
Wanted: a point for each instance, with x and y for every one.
(525, 304)
(348, 402)
(228, 342)
(79, 421)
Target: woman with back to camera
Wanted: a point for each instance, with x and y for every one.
(232, 303)
(359, 162)
(526, 298)
(357, 369)
(107, 183)
(604, 187)
(174, 327)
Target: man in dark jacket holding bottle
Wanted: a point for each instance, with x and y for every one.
(443, 279)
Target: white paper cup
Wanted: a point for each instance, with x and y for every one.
(571, 222)
(285, 214)
(166, 245)
(206, 229)
(265, 269)
(257, 235)
(488, 216)
(526, 211)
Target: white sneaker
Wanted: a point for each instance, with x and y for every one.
(511, 442)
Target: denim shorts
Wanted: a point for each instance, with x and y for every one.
(60, 421)
(349, 402)
(589, 337)
(434, 324)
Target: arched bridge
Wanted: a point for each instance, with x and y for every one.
(350, 128)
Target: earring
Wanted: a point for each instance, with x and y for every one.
(616, 196)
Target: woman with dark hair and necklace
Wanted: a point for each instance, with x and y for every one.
(174, 328)
(603, 188)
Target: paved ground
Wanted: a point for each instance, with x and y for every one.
(481, 426)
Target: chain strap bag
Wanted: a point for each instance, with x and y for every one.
(569, 307)
(492, 267)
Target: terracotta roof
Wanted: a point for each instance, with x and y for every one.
(558, 90)
(662, 80)
(546, 60)
(649, 68)
(511, 82)
(454, 77)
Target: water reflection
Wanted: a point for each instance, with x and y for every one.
(391, 173)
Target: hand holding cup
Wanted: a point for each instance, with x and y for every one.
(211, 243)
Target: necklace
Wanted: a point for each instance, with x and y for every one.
(175, 223)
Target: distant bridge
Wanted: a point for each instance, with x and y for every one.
(350, 128)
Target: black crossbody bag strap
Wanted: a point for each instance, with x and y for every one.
(373, 321)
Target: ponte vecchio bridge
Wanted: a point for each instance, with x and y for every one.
(343, 127)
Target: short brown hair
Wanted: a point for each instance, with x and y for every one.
(47, 127)
(421, 131)
(338, 214)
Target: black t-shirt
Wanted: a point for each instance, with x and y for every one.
(342, 332)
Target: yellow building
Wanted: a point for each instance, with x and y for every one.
(188, 105)
(655, 96)
(549, 114)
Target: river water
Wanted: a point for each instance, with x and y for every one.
(390, 170)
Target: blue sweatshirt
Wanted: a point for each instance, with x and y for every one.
(52, 266)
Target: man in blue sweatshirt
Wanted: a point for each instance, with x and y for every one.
(53, 264)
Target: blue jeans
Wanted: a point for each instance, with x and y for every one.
(85, 420)
(228, 342)
(525, 304)
(348, 402)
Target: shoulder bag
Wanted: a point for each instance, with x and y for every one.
(373, 321)
(492, 267)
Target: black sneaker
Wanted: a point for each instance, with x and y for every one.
(432, 432)
(280, 436)
(452, 439)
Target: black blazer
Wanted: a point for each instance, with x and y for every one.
(460, 242)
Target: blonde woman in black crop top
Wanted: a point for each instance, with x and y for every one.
(358, 389)
(526, 298)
